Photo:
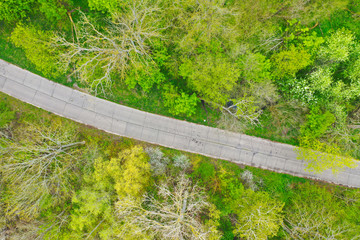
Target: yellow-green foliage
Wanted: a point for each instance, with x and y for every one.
(317, 153)
(315, 213)
(130, 171)
(289, 62)
(37, 47)
(321, 156)
(93, 206)
(178, 104)
(258, 215)
(213, 77)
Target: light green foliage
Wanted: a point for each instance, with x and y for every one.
(54, 10)
(126, 175)
(311, 42)
(93, 214)
(313, 11)
(197, 23)
(12, 10)
(149, 74)
(317, 124)
(320, 155)
(130, 171)
(179, 103)
(255, 67)
(230, 186)
(290, 61)
(212, 77)
(6, 114)
(258, 216)
(353, 73)
(321, 79)
(314, 213)
(38, 49)
(337, 47)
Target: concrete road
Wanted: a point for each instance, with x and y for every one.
(164, 131)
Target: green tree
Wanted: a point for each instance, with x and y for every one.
(15, 9)
(258, 216)
(145, 76)
(124, 176)
(337, 47)
(130, 171)
(93, 213)
(255, 67)
(38, 49)
(179, 103)
(55, 10)
(314, 213)
(317, 123)
(290, 61)
(314, 11)
(211, 76)
(320, 155)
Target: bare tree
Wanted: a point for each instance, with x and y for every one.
(244, 108)
(316, 223)
(39, 164)
(173, 214)
(98, 53)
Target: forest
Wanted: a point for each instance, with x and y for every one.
(284, 70)
(63, 180)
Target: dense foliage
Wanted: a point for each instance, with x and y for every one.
(285, 70)
(240, 65)
(62, 180)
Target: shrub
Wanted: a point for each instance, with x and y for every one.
(181, 161)
(158, 161)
